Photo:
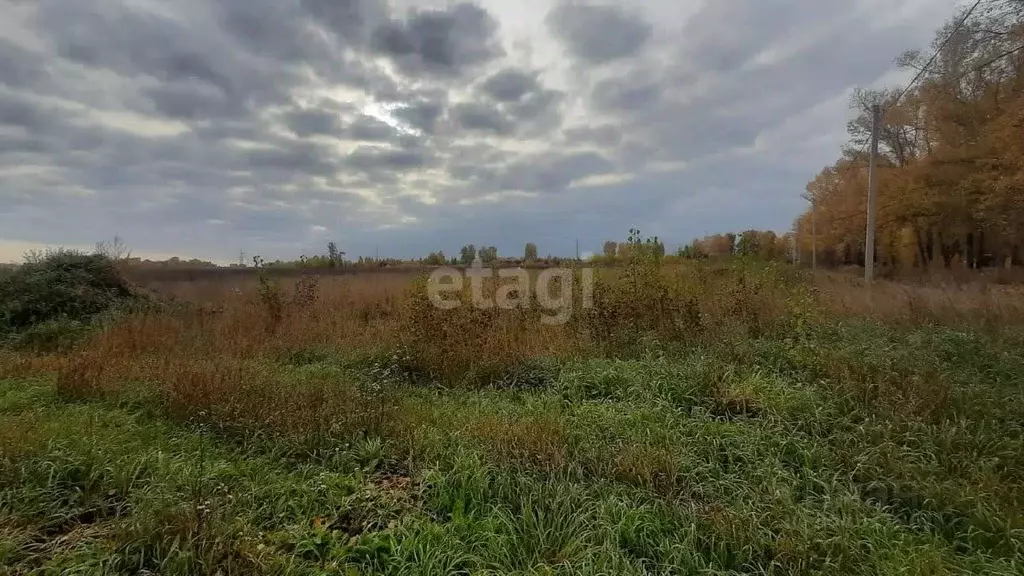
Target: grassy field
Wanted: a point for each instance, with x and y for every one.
(710, 419)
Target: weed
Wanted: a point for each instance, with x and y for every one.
(702, 417)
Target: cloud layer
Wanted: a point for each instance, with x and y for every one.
(205, 127)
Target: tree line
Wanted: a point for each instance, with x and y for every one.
(950, 164)
(761, 244)
(758, 244)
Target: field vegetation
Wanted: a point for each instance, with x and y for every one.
(701, 417)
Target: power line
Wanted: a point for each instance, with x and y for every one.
(841, 176)
(920, 73)
(935, 55)
(991, 61)
(977, 68)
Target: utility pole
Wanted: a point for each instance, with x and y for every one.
(577, 249)
(869, 244)
(814, 234)
(814, 229)
(795, 248)
(796, 244)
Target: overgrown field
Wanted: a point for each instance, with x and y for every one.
(704, 418)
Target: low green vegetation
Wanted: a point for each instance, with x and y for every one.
(733, 418)
(854, 449)
(49, 302)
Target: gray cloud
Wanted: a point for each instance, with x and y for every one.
(519, 99)
(292, 160)
(193, 100)
(271, 28)
(371, 129)
(475, 164)
(372, 159)
(605, 135)
(15, 147)
(23, 112)
(539, 107)
(204, 127)
(632, 92)
(349, 20)
(306, 122)
(199, 72)
(715, 95)
(20, 68)
(118, 38)
(598, 33)
(510, 85)
(422, 115)
(480, 117)
(242, 129)
(471, 173)
(552, 172)
(726, 34)
(440, 41)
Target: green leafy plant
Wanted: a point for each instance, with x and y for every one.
(62, 285)
(271, 296)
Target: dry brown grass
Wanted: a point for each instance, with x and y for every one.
(653, 467)
(226, 360)
(232, 394)
(358, 286)
(694, 303)
(14, 365)
(979, 304)
(537, 440)
(232, 359)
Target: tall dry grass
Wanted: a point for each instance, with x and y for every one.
(978, 304)
(762, 432)
(232, 359)
(225, 356)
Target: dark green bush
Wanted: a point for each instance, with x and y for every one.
(62, 286)
(49, 336)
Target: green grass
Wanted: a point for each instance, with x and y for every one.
(844, 449)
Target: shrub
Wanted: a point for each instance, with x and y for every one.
(693, 302)
(62, 286)
(478, 346)
(50, 336)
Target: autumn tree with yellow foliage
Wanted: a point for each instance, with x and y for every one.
(951, 157)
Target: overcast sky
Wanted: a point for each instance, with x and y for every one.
(205, 127)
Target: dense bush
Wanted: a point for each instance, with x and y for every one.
(692, 302)
(48, 336)
(472, 344)
(61, 286)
